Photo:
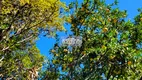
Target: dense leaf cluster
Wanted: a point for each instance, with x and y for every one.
(21, 22)
(111, 45)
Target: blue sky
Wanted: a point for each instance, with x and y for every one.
(45, 44)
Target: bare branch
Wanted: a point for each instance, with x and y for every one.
(26, 39)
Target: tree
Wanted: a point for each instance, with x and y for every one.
(111, 46)
(21, 21)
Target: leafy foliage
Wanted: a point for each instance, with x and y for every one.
(28, 18)
(111, 46)
(21, 22)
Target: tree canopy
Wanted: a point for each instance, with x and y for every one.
(111, 45)
(21, 22)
